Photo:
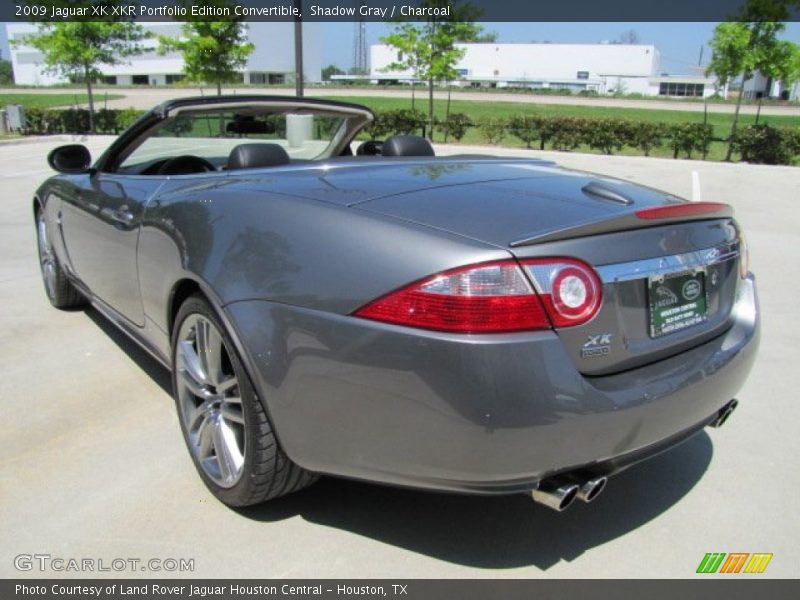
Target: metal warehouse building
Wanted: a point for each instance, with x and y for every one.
(272, 62)
(600, 68)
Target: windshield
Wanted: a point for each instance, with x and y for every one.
(212, 135)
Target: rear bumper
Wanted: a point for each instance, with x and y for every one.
(484, 414)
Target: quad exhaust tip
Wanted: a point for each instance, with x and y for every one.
(555, 494)
(724, 413)
(589, 489)
(559, 492)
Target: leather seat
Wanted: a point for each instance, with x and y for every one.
(407, 145)
(253, 156)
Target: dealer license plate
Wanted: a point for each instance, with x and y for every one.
(676, 301)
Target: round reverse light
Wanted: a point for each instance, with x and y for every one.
(575, 293)
(572, 291)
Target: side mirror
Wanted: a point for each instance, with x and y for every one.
(74, 159)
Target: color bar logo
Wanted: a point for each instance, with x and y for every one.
(735, 562)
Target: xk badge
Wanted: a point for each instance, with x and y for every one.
(596, 345)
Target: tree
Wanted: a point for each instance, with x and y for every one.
(329, 71)
(488, 37)
(428, 49)
(213, 51)
(79, 49)
(6, 73)
(629, 36)
(742, 48)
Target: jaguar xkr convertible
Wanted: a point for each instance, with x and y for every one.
(366, 309)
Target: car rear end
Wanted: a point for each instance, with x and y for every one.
(598, 341)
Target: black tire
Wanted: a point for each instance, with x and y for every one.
(59, 289)
(266, 472)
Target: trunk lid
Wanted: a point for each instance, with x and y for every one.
(652, 266)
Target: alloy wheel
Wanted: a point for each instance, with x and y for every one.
(209, 400)
(47, 259)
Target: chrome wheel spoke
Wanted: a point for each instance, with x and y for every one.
(204, 440)
(227, 384)
(209, 349)
(191, 364)
(226, 448)
(193, 415)
(46, 258)
(195, 387)
(232, 413)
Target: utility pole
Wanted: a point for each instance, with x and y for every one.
(298, 49)
(360, 45)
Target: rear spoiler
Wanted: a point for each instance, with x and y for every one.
(678, 212)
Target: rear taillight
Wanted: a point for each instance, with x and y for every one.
(493, 297)
(485, 298)
(570, 289)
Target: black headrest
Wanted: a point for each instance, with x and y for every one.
(252, 156)
(407, 145)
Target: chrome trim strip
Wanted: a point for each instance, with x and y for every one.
(641, 269)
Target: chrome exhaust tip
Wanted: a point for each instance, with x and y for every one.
(555, 493)
(589, 489)
(724, 414)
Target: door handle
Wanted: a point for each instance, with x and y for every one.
(122, 215)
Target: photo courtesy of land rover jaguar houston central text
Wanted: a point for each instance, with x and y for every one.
(330, 304)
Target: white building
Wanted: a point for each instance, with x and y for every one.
(760, 86)
(600, 68)
(272, 62)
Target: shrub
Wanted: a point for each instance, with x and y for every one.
(646, 136)
(567, 133)
(766, 145)
(688, 137)
(455, 126)
(525, 127)
(377, 129)
(391, 122)
(492, 129)
(606, 135)
(41, 121)
(75, 120)
(127, 116)
(405, 121)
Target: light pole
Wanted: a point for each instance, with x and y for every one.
(298, 49)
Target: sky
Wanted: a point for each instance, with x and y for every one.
(679, 43)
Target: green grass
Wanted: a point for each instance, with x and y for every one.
(477, 110)
(54, 100)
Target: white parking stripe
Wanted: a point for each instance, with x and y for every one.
(697, 196)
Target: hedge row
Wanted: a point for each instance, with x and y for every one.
(755, 143)
(76, 120)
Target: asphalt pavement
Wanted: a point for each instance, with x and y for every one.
(93, 464)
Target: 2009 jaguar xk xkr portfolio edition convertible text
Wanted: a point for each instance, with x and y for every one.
(332, 304)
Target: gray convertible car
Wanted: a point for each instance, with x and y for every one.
(369, 310)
